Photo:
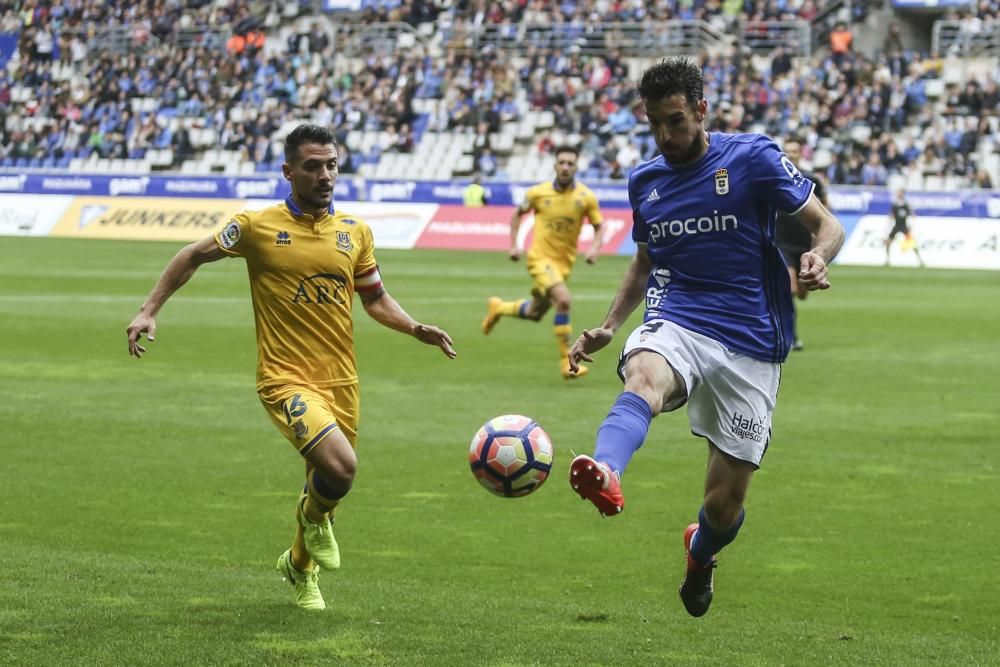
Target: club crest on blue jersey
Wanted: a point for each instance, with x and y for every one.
(722, 181)
(344, 241)
(283, 238)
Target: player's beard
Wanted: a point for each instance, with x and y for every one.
(689, 155)
(318, 199)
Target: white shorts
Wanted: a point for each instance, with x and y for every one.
(730, 396)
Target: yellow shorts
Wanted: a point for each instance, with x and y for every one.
(547, 273)
(304, 415)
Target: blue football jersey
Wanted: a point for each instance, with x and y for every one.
(709, 230)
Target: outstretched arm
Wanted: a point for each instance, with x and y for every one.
(828, 236)
(628, 298)
(177, 272)
(382, 308)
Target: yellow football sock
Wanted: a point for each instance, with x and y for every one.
(512, 308)
(562, 332)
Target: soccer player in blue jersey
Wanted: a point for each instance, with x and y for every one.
(718, 307)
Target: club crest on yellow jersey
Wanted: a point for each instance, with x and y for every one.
(344, 241)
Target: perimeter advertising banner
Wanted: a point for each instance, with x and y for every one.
(146, 218)
(951, 229)
(28, 215)
(188, 219)
(488, 228)
(350, 187)
(222, 187)
(955, 243)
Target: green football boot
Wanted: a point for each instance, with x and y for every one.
(319, 540)
(306, 584)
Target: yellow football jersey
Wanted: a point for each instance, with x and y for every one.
(559, 217)
(303, 275)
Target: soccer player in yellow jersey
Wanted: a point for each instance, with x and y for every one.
(560, 207)
(305, 262)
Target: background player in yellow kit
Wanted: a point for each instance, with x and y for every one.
(305, 262)
(560, 207)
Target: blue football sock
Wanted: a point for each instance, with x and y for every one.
(708, 541)
(324, 494)
(623, 431)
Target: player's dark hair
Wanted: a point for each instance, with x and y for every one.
(566, 148)
(307, 134)
(671, 76)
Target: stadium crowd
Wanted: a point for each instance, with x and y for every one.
(197, 75)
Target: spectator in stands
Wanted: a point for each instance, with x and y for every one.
(781, 62)
(958, 164)
(969, 141)
(94, 140)
(841, 43)
(487, 163)
(183, 150)
(261, 150)
(25, 145)
(930, 163)
(627, 157)
(970, 100)
(10, 21)
(983, 180)
(893, 161)
(893, 42)
(404, 140)
(318, 39)
(44, 42)
(622, 120)
(970, 27)
(852, 173)
(987, 10)
(874, 172)
(143, 138)
(231, 136)
(830, 96)
(345, 161)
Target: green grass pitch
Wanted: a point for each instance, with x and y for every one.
(143, 503)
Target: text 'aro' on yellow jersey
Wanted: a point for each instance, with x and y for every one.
(559, 217)
(304, 271)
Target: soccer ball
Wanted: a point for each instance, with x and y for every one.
(511, 455)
